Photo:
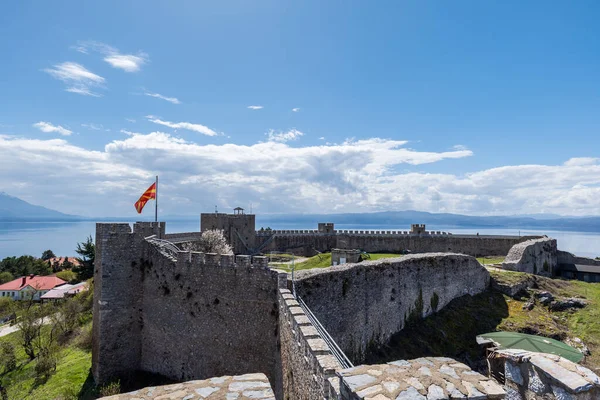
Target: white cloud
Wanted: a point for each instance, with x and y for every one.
(255, 107)
(354, 176)
(126, 62)
(183, 125)
(95, 127)
(282, 137)
(322, 138)
(130, 120)
(78, 79)
(129, 133)
(173, 100)
(295, 109)
(582, 161)
(459, 147)
(48, 128)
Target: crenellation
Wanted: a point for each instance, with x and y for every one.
(243, 260)
(227, 260)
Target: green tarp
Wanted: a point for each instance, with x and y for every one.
(522, 341)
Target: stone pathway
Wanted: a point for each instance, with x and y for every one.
(430, 378)
(242, 387)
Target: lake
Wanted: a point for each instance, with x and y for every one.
(19, 238)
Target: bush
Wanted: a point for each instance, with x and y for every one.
(84, 338)
(110, 389)
(68, 276)
(5, 306)
(7, 356)
(46, 361)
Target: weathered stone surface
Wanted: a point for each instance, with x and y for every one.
(535, 256)
(244, 387)
(544, 375)
(409, 381)
(363, 305)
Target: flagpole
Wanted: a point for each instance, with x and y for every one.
(156, 202)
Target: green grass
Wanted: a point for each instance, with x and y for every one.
(508, 277)
(379, 256)
(490, 260)
(324, 260)
(68, 382)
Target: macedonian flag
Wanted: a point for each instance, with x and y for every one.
(148, 195)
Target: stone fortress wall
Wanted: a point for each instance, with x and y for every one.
(362, 305)
(240, 230)
(186, 315)
(190, 315)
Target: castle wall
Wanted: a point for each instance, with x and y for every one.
(536, 256)
(239, 229)
(564, 257)
(309, 368)
(116, 348)
(362, 305)
(305, 242)
(187, 316)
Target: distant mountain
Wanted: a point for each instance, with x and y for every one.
(403, 219)
(13, 208)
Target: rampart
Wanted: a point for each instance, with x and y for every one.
(309, 368)
(183, 315)
(305, 242)
(363, 305)
(536, 256)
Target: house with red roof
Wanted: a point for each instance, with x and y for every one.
(31, 286)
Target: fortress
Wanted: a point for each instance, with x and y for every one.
(240, 230)
(209, 320)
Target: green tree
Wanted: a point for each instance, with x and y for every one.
(6, 277)
(68, 276)
(87, 251)
(48, 254)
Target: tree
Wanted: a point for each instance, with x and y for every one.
(30, 325)
(211, 241)
(87, 251)
(7, 356)
(6, 277)
(48, 254)
(68, 276)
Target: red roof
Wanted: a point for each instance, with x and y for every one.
(35, 281)
(61, 260)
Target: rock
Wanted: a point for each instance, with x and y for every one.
(529, 305)
(565, 304)
(545, 297)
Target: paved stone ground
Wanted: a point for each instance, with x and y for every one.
(242, 387)
(430, 378)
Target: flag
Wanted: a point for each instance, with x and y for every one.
(149, 194)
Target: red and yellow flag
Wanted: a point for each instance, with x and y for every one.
(148, 195)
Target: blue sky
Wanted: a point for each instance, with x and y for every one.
(463, 106)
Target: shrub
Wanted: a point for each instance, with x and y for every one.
(110, 389)
(84, 338)
(5, 306)
(7, 356)
(68, 276)
(46, 361)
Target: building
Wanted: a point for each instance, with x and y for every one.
(31, 286)
(56, 263)
(343, 256)
(582, 272)
(238, 228)
(65, 291)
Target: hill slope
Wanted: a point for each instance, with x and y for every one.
(13, 208)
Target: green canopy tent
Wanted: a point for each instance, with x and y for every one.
(522, 341)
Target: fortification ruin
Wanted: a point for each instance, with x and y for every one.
(188, 316)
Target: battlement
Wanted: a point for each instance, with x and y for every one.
(198, 259)
(271, 232)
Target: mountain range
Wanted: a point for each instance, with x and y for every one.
(15, 209)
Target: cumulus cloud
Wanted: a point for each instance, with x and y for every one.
(282, 137)
(582, 161)
(78, 79)
(353, 176)
(295, 109)
(126, 62)
(49, 128)
(183, 125)
(255, 107)
(173, 100)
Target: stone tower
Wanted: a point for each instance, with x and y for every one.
(238, 228)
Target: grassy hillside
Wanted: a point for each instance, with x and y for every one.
(324, 260)
(452, 331)
(67, 383)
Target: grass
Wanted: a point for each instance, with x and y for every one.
(451, 332)
(324, 260)
(491, 260)
(66, 383)
(508, 277)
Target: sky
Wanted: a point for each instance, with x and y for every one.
(471, 107)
